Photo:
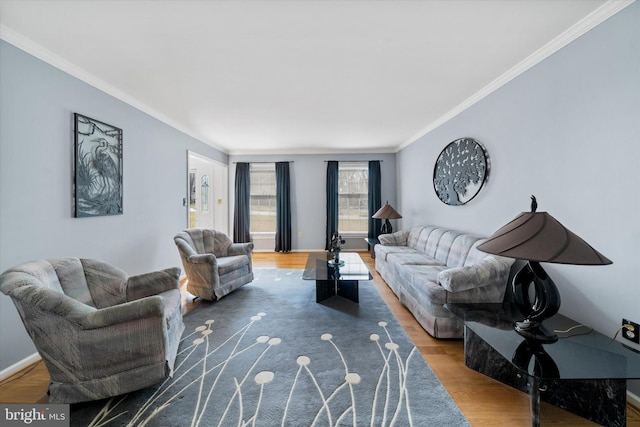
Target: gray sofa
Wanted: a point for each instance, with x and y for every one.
(428, 266)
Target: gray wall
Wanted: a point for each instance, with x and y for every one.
(308, 183)
(36, 152)
(568, 131)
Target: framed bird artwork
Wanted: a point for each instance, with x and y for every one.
(97, 184)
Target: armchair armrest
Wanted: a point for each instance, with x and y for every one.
(152, 306)
(241, 248)
(489, 271)
(148, 284)
(398, 238)
(203, 259)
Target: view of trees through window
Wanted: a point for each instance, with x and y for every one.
(263, 198)
(353, 189)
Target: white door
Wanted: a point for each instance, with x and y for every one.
(207, 182)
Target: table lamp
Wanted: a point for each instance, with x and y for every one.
(538, 237)
(386, 212)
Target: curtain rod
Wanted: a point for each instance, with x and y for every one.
(288, 161)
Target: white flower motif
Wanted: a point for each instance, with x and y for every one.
(326, 337)
(383, 324)
(207, 332)
(275, 341)
(254, 318)
(262, 339)
(264, 377)
(303, 361)
(200, 328)
(352, 378)
(374, 337)
(391, 346)
(209, 322)
(262, 314)
(198, 341)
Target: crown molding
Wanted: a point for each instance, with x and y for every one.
(595, 18)
(38, 51)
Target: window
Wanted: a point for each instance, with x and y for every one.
(353, 195)
(263, 198)
(204, 192)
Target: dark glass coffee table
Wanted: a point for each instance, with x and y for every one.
(584, 372)
(330, 280)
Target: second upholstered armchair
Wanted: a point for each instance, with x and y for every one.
(213, 264)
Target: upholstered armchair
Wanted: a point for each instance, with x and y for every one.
(213, 264)
(100, 332)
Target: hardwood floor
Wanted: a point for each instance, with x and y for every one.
(485, 402)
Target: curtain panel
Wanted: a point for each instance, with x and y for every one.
(283, 208)
(332, 201)
(374, 198)
(241, 223)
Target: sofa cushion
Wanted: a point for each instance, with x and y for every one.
(475, 255)
(383, 251)
(460, 249)
(422, 283)
(408, 258)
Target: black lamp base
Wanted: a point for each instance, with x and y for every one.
(386, 227)
(535, 331)
(546, 302)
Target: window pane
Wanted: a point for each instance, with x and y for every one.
(353, 191)
(263, 198)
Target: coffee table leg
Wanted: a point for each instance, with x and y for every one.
(324, 289)
(349, 290)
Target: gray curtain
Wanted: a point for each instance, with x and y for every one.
(283, 208)
(332, 201)
(374, 198)
(241, 224)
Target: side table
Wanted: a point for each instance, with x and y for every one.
(371, 242)
(583, 373)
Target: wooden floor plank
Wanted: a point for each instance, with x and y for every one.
(484, 401)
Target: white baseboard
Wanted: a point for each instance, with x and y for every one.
(19, 365)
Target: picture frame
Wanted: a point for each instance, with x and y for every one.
(97, 175)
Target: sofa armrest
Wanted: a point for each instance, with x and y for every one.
(490, 271)
(399, 238)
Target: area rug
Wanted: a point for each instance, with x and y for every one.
(269, 355)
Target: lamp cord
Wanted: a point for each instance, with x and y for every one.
(557, 331)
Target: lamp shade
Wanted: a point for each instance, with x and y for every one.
(386, 212)
(537, 236)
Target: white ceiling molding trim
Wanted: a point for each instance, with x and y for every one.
(36, 50)
(590, 21)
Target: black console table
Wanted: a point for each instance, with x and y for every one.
(584, 373)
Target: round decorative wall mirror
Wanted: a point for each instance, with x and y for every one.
(460, 171)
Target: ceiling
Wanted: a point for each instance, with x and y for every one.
(299, 76)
